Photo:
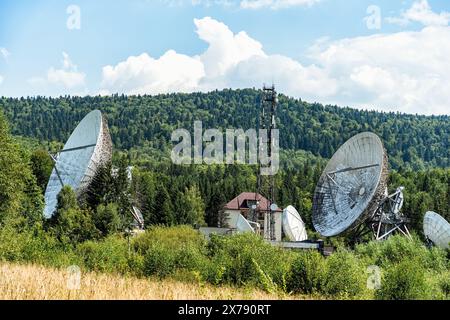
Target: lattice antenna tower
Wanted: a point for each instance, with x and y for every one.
(267, 121)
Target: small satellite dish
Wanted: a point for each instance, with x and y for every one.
(349, 189)
(293, 225)
(242, 225)
(398, 200)
(138, 217)
(273, 207)
(436, 229)
(88, 148)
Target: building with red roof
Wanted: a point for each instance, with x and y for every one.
(255, 208)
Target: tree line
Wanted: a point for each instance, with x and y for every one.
(170, 194)
(136, 122)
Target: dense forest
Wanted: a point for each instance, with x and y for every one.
(145, 123)
(194, 194)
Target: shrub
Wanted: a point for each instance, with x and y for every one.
(444, 284)
(34, 245)
(109, 255)
(345, 275)
(399, 248)
(190, 257)
(160, 262)
(307, 274)
(168, 250)
(168, 237)
(247, 259)
(403, 281)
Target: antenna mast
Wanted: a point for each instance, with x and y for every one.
(266, 184)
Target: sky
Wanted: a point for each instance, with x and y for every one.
(367, 54)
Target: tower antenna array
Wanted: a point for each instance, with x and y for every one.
(266, 184)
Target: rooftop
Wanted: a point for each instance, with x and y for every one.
(246, 199)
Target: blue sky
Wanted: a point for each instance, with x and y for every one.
(318, 50)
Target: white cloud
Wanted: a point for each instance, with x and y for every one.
(275, 4)
(421, 12)
(225, 49)
(4, 53)
(68, 76)
(405, 71)
(144, 74)
(66, 80)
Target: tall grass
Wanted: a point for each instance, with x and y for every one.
(408, 270)
(32, 282)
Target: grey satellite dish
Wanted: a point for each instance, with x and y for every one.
(436, 229)
(351, 186)
(138, 217)
(293, 225)
(398, 200)
(88, 147)
(242, 225)
(273, 207)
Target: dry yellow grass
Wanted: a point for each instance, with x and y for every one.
(31, 282)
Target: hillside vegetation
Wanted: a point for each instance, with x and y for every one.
(92, 232)
(395, 269)
(148, 121)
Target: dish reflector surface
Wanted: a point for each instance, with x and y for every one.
(437, 229)
(242, 224)
(293, 225)
(88, 147)
(350, 186)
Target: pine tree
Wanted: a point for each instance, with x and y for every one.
(70, 223)
(42, 165)
(19, 196)
(163, 213)
(192, 207)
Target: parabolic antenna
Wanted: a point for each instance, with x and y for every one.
(242, 224)
(437, 229)
(88, 147)
(293, 225)
(351, 185)
(398, 201)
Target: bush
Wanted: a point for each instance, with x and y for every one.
(307, 274)
(170, 250)
(163, 261)
(247, 259)
(35, 246)
(160, 262)
(345, 275)
(109, 255)
(404, 281)
(444, 284)
(399, 248)
(168, 237)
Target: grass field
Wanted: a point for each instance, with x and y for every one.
(32, 282)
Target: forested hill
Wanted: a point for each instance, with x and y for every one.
(135, 121)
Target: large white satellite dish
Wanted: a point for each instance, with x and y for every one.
(351, 186)
(436, 229)
(242, 224)
(88, 147)
(293, 225)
